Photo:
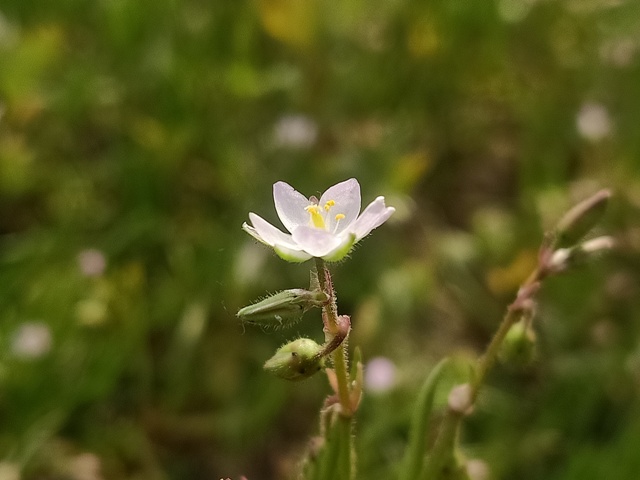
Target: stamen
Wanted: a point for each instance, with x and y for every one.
(316, 217)
(329, 204)
(338, 217)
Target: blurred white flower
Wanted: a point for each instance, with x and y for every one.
(327, 228)
(295, 131)
(92, 262)
(379, 375)
(31, 340)
(593, 122)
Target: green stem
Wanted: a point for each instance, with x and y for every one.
(442, 456)
(488, 359)
(331, 329)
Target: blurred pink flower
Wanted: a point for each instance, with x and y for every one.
(92, 262)
(379, 375)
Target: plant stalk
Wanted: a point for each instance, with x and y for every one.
(332, 328)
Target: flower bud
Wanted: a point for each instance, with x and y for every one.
(577, 222)
(282, 309)
(565, 258)
(296, 360)
(460, 399)
(519, 345)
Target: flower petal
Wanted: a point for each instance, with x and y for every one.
(252, 231)
(373, 216)
(266, 233)
(290, 205)
(314, 241)
(346, 196)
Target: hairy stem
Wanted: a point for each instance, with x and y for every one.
(332, 328)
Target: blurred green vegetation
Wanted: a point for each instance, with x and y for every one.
(135, 137)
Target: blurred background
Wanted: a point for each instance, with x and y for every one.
(135, 137)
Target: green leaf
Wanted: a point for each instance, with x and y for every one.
(416, 449)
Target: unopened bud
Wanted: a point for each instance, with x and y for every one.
(460, 399)
(296, 360)
(564, 258)
(597, 245)
(518, 348)
(282, 309)
(577, 222)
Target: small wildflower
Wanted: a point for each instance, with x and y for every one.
(327, 228)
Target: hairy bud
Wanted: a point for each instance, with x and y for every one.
(282, 309)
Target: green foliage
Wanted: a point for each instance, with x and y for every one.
(417, 446)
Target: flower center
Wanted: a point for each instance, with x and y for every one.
(316, 217)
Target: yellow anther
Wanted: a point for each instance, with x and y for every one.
(338, 217)
(316, 218)
(329, 204)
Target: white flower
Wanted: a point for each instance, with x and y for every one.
(295, 131)
(31, 340)
(594, 122)
(327, 228)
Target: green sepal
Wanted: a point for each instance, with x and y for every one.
(343, 249)
(293, 256)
